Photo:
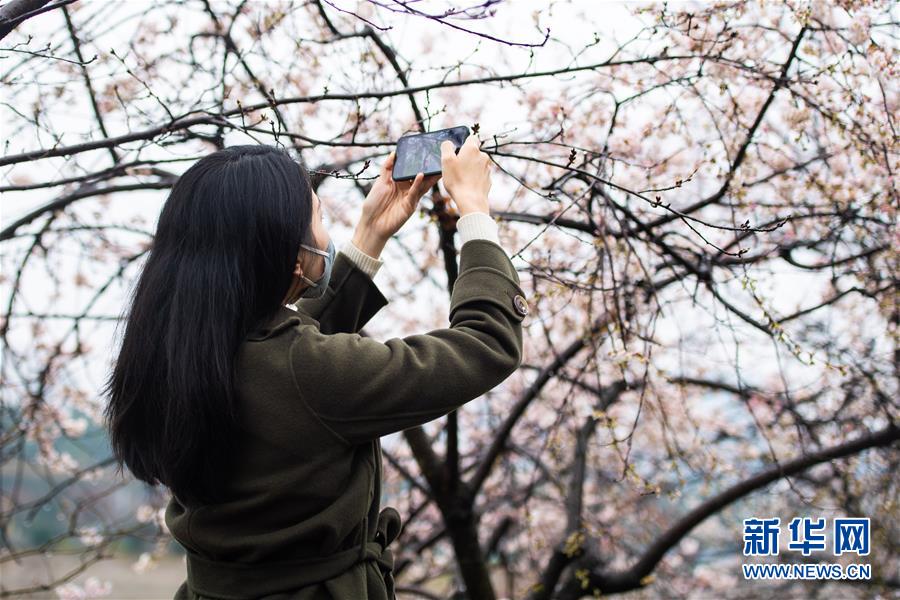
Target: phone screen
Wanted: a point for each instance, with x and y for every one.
(422, 152)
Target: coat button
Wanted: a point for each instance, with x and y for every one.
(520, 304)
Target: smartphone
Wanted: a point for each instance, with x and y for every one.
(421, 152)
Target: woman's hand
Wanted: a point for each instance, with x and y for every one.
(467, 175)
(387, 207)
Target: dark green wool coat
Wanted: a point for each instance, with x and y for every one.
(302, 518)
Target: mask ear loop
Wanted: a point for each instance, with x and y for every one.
(313, 249)
(317, 251)
(309, 281)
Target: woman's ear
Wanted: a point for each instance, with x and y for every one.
(296, 283)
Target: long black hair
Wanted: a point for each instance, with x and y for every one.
(220, 264)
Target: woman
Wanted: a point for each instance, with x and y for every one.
(264, 420)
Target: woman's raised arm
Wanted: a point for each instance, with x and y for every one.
(362, 389)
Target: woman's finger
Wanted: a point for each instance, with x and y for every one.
(432, 180)
(389, 163)
(421, 185)
(415, 190)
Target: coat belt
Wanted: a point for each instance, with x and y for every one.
(387, 530)
(236, 581)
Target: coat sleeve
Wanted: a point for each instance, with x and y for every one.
(363, 389)
(351, 299)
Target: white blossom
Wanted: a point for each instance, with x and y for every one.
(145, 562)
(145, 513)
(90, 536)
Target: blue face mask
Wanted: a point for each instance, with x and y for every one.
(317, 288)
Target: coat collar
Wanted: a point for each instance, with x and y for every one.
(283, 318)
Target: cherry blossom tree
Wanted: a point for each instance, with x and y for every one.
(701, 200)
